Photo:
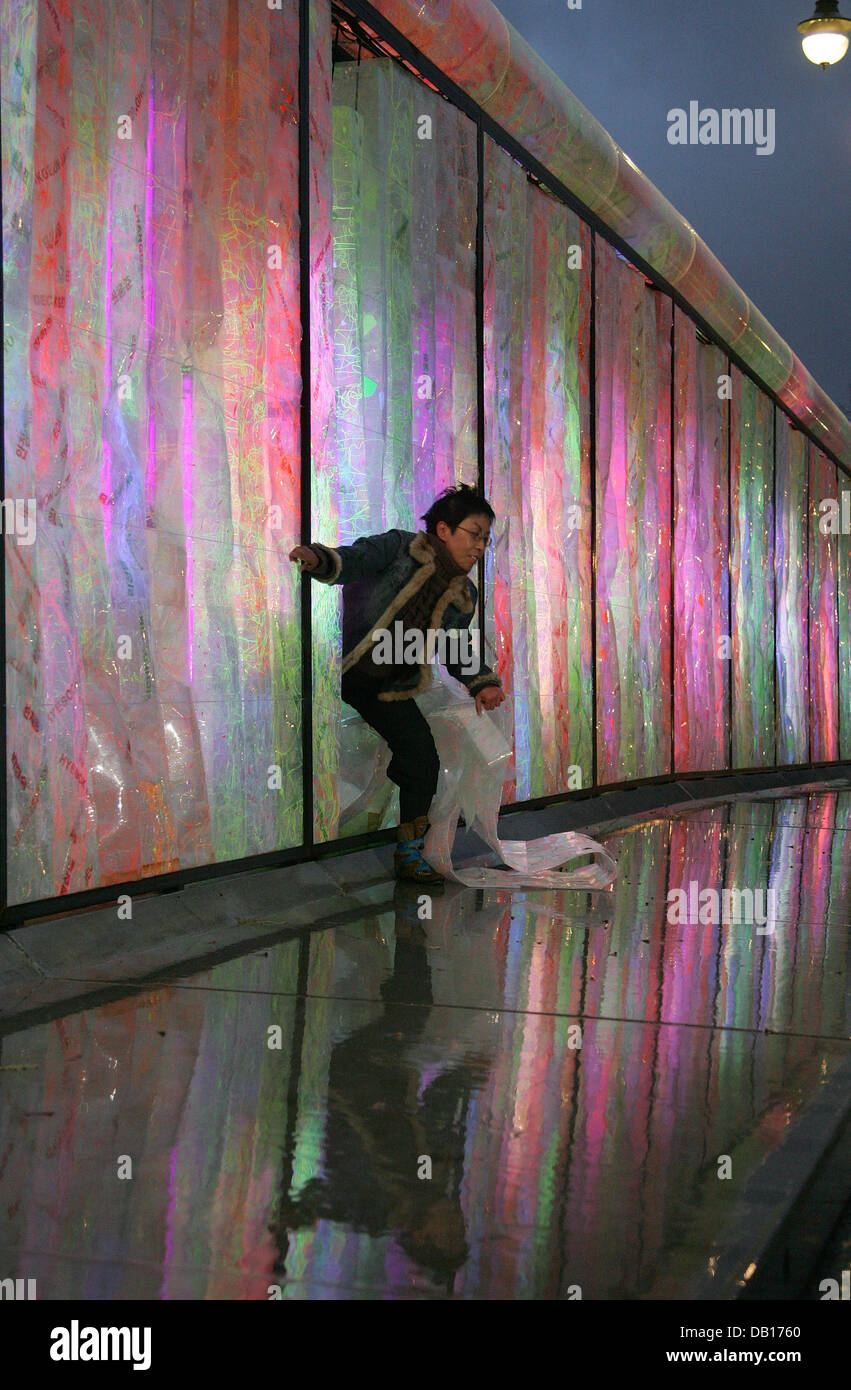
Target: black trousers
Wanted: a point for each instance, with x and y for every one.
(414, 766)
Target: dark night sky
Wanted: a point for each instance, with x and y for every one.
(778, 223)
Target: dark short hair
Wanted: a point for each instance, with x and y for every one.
(454, 506)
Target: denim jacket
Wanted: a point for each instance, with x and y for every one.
(379, 574)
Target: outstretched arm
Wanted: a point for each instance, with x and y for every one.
(366, 557)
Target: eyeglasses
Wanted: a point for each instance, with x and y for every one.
(487, 541)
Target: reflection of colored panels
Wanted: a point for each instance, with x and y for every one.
(574, 1085)
(184, 1083)
(749, 955)
(623, 1137)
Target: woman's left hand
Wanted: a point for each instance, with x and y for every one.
(489, 698)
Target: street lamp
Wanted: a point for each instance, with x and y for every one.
(825, 36)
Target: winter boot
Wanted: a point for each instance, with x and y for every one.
(408, 860)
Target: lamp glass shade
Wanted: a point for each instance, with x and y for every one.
(824, 47)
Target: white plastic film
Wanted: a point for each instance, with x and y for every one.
(475, 758)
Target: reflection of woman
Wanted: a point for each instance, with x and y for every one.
(419, 581)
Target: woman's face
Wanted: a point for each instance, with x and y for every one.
(467, 542)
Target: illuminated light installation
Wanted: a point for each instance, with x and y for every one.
(550, 1132)
(752, 573)
(792, 589)
(471, 42)
(700, 553)
(537, 304)
(843, 619)
(633, 515)
(152, 376)
(393, 332)
(824, 638)
(325, 476)
(152, 392)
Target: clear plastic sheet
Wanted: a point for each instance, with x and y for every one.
(475, 755)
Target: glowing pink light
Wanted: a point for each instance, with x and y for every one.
(106, 467)
(186, 456)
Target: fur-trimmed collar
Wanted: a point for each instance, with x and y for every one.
(420, 550)
(458, 590)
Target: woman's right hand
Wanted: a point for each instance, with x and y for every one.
(304, 557)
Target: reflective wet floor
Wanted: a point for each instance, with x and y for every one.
(484, 1095)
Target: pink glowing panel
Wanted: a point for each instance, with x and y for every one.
(393, 346)
(824, 549)
(154, 371)
(792, 604)
(472, 42)
(752, 573)
(843, 599)
(633, 514)
(701, 585)
(325, 501)
(537, 306)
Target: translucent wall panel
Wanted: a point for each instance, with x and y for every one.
(633, 518)
(701, 578)
(843, 600)
(792, 607)
(151, 385)
(393, 223)
(325, 478)
(537, 311)
(824, 637)
(752, 572)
